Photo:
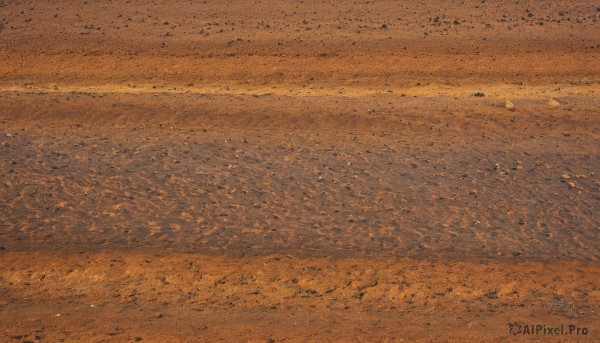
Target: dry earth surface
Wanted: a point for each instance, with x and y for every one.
(298, 171)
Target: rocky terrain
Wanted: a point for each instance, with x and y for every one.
(298, 171)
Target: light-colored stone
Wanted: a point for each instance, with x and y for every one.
(553, 103)
(509, 105)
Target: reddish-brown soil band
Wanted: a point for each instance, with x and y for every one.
(192, 297)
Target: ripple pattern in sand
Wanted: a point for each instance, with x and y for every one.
(256, 192)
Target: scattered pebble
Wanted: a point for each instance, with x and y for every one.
(509, 105)
(492, 295)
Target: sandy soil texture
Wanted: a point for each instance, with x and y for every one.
(299, 171)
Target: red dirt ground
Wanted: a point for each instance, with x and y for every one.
(291, 171)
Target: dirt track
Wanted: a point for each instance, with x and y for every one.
(228, 170)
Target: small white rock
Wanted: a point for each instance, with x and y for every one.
(553, 103)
